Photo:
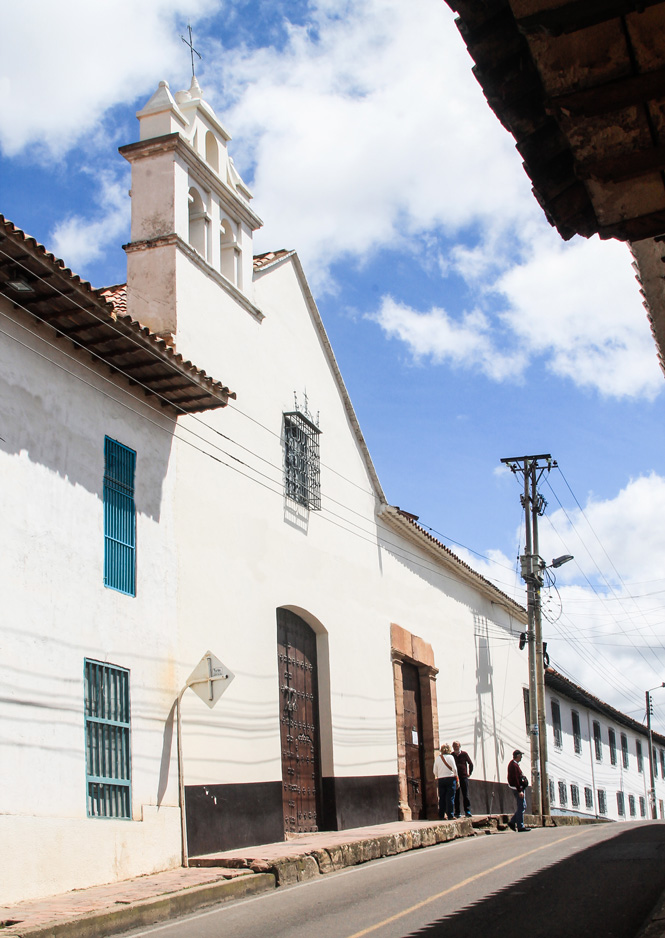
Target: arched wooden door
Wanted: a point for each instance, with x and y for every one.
(299, 723)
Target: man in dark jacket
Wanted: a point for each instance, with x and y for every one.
(464, 770)
(519, 784)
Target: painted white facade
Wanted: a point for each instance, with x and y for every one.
(220, 548)
(606, 766)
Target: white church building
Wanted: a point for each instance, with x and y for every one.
(185, 480)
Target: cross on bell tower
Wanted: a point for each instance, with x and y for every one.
(190, 46)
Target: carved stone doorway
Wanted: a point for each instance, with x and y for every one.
(417, 723)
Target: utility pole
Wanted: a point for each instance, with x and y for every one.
(532, 469)
(652, 774)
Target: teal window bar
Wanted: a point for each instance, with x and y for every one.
(119, 517)
(107, 741)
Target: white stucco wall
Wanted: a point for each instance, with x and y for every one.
(584, 769)
(56, 410)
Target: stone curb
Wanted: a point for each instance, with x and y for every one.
(148, 911)
(290, 870)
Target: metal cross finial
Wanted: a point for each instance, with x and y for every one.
(190, 45)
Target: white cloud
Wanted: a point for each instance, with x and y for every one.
(63, 64)
(81, 240)
(467, 341)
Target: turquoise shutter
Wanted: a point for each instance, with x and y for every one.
(119, 517)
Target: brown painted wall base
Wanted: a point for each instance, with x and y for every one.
(493, 798)
(359, 801)
(223, 817)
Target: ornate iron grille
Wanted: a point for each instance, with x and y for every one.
(302, 475)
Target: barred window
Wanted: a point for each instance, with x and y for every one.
(624, 750)
(613, 746)
(643, 806)
(588, 797)
(621, 805)
(556, 724)
(302, 475)
(597, 741)
(577, 732)
(552, 794)
(563, 794)
(107, 752)
(654, 760)
(602, 801)
(638, 752)
(662, 762)
(574, 795)
(631, 805)
(661, 808)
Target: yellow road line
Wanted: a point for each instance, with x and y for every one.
(464, 882)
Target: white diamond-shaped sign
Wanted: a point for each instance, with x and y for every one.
(209, 679)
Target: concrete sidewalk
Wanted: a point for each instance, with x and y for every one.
(234, 874)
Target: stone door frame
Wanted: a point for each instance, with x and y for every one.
(406, 647)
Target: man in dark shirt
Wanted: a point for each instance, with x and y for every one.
(464, 770)
(519, 784)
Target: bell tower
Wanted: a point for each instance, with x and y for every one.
(192, 224)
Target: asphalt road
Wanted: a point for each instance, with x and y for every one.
(599, 881)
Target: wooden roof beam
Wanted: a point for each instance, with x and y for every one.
(579, 14)
(624, 167)
(612, 96)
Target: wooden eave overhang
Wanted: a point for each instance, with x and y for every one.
(407, 525)
(59, 299)
(559, 684)
(581, 87)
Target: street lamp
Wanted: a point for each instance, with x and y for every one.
(652, 778)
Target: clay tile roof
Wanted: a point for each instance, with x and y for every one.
(261, 261)
(96, 321)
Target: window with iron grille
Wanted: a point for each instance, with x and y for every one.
(552, 792)
(621, 805)
(574, 795)
(302, 475)
(624, 750)
(556, 724)
(107, 752)
(613, 746)
(527, 705)
(662, 762)
(638, 752)
(602, 801)
(643, 806)
(597, 741)
(563, 794)
(119, 517)
(588, 797)
(661, 808)
(655, 762)
(577, 731)
(631, 805)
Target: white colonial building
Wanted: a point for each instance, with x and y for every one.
(147, 524)
(598, 758)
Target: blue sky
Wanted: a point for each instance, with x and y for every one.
(466, 330)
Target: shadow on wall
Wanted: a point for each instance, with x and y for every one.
(607, 889)
(40, 428)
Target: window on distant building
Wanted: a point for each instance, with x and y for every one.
(631, 805)
(638, 752)
(602, 801)
(597, 741)
(643, 806)
(556, 724)
(661, 808)
(563, 794)
(107, 752)
(119, 517)
(574, 795)
(302, 476)
(588, 797)
(613, 746)
(525, 697)
(624, 750)
(654, 759)
(662, 762)
(552, 791)
(621, 805)
(577, 732)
